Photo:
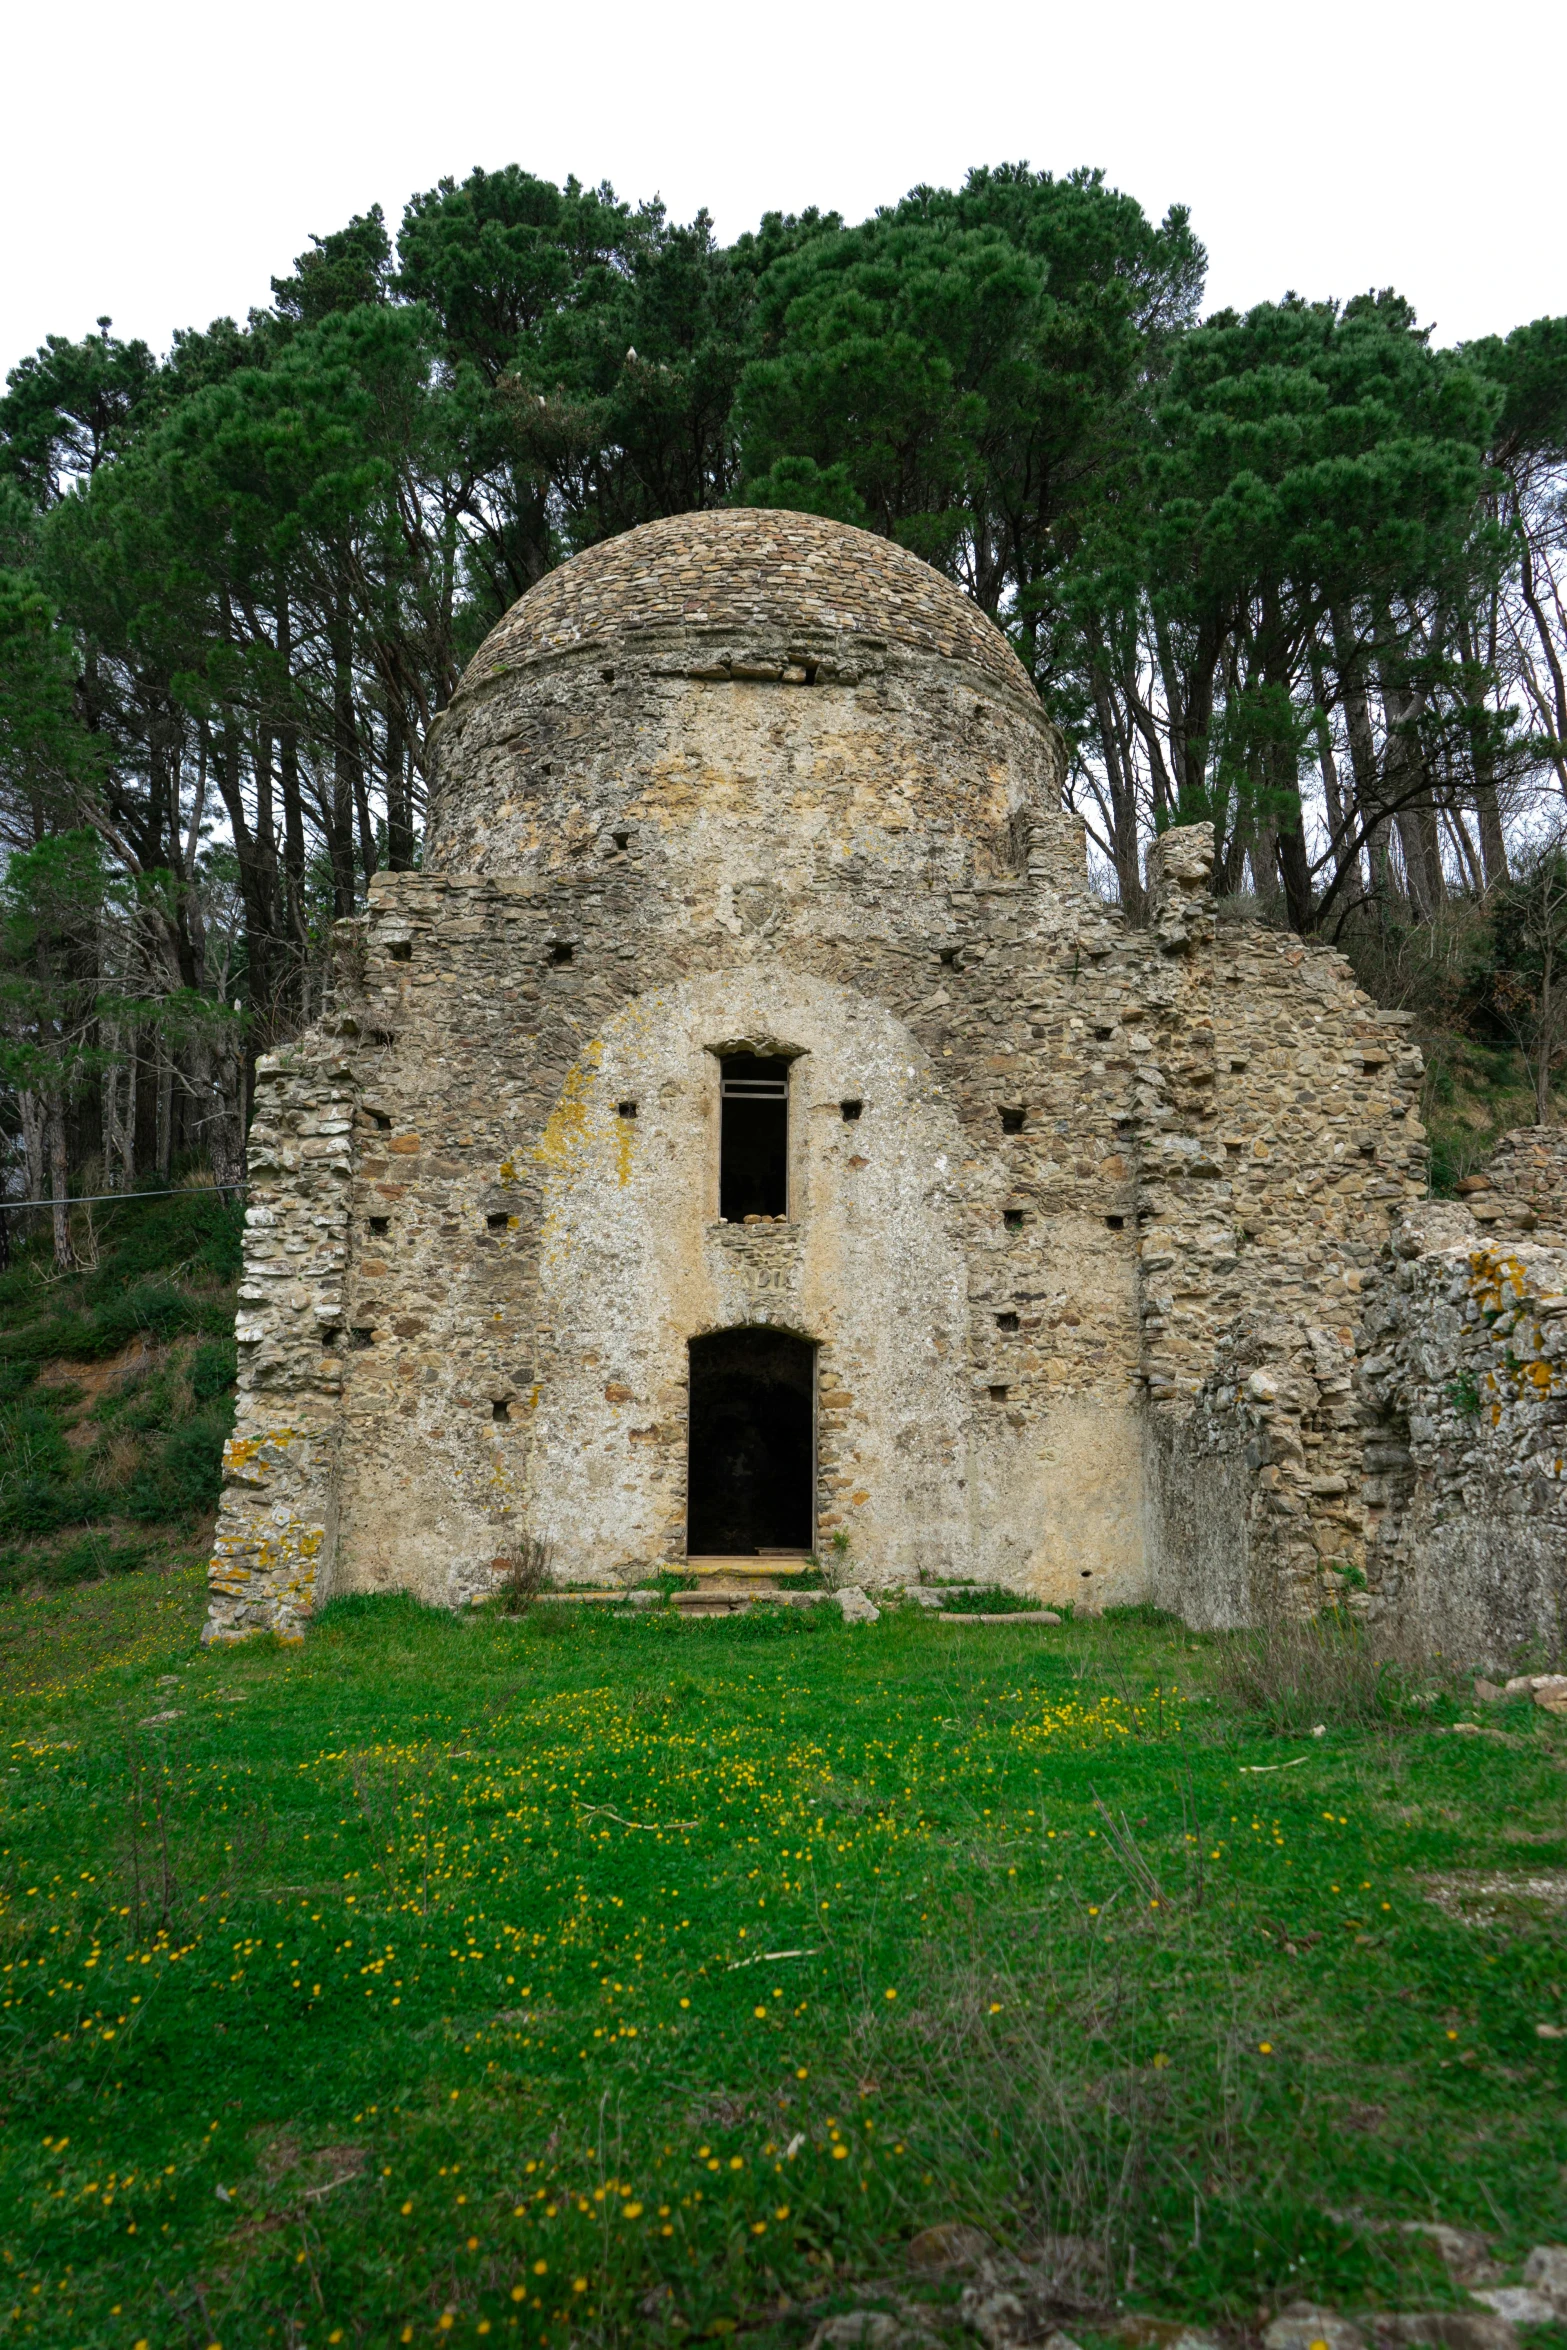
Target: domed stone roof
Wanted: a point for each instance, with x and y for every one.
(747, 569)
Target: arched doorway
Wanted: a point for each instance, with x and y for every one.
(752, 1472)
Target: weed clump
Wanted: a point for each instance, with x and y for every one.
(1293, 1672)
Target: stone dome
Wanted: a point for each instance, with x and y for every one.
(790, 581)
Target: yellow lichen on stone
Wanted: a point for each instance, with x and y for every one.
(561, 1145)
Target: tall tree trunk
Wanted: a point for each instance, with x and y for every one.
(293, 818)
(399, 796)
(1341, 819)
(1349, 661)
(1408, 787)
(347, 777)
(1123, 799)
(59, 1184)
(165, 1069)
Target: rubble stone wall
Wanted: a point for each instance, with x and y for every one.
(1278, 1141)
(1464, 1388)
(275, 1546)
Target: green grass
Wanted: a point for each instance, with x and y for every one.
(422, 1973)
(116, 1388)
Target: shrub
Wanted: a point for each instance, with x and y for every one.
(184, 1477)
(214, 1367)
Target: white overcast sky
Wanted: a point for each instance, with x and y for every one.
(163, 158)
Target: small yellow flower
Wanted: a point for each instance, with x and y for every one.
(407, 2208)
(579, 2284)
(782, 2212)
(1265, 2047)
(892, 1994)
(760, 2013)
(839, 2153)
(631, 2211)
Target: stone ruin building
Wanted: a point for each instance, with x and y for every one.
(749, 1134)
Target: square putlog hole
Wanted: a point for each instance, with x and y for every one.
(998, 1394)
(1012, 1218)
(1115, 1223)
(626, 1109)
(561, 951)
(851, 1110)
(1012, 1121)
(1006, 1321)
(500, 1411)
(401, 950)
(499, 1222)
(361, 1338)
(379, 1226)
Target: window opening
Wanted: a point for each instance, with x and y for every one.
(752, 1472)
(753, 1173)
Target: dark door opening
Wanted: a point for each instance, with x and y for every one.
(753, 1443)
(753, 1163)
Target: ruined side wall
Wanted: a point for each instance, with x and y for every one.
(274, 1550)
(1278, 1140)
(1465, 1390)
(1522, 1193)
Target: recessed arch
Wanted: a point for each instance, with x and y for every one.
(751, 1473)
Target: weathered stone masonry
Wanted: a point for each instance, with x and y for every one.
(1082, 1275)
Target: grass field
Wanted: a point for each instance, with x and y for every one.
(578, 1978)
